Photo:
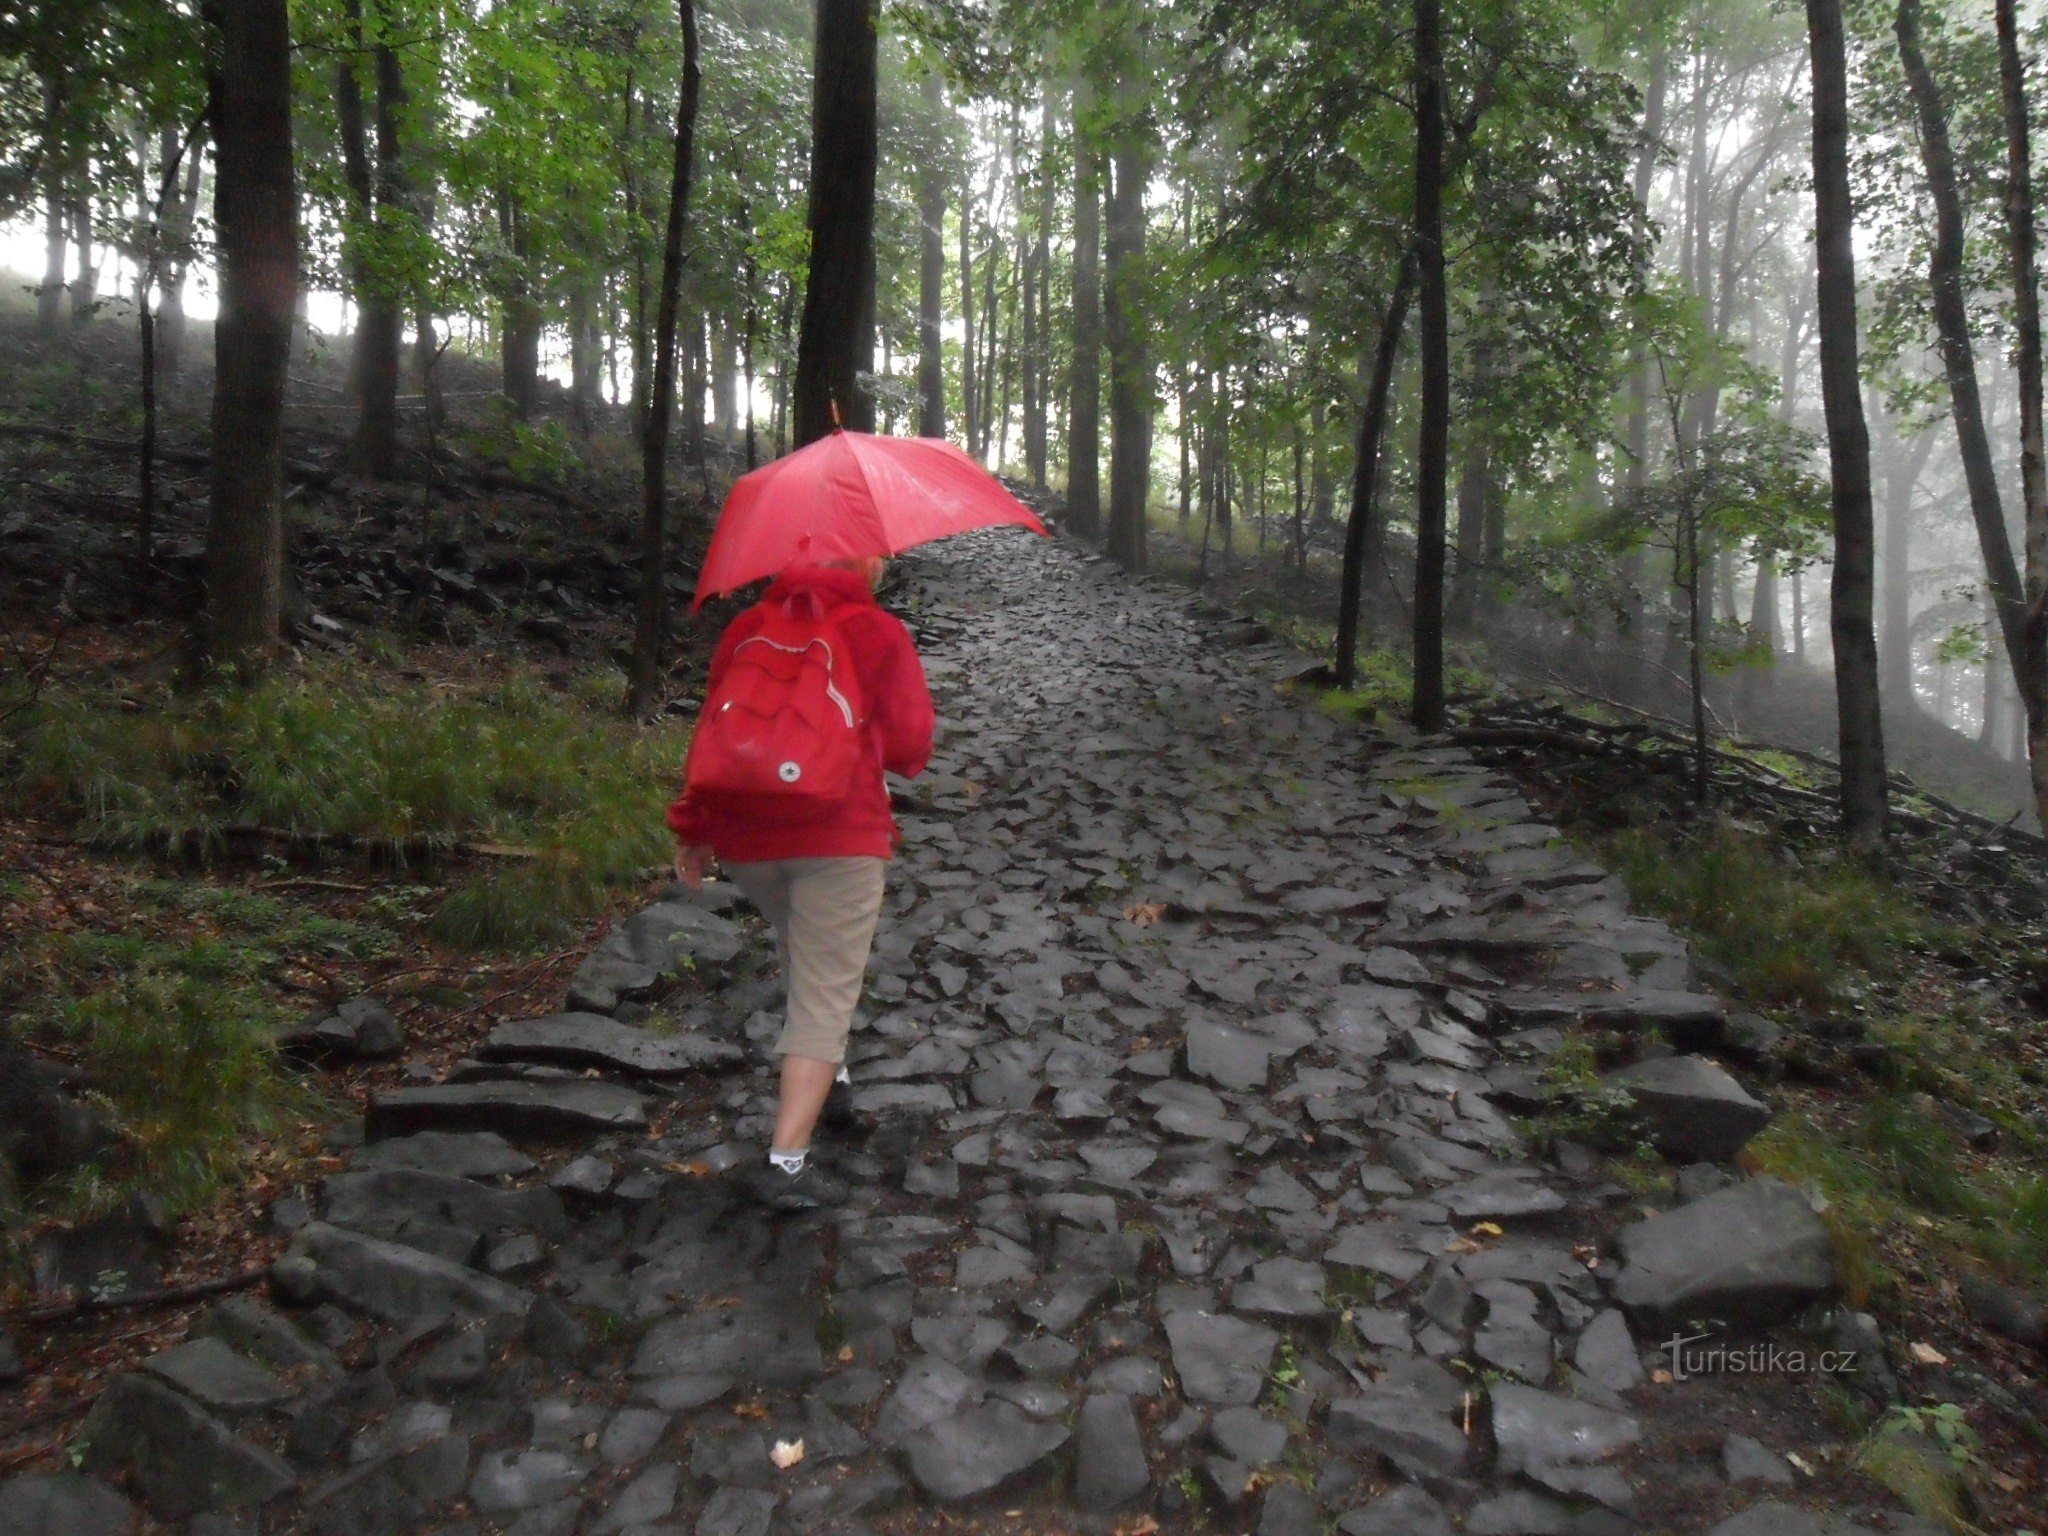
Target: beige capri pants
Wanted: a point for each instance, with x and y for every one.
(824, 913)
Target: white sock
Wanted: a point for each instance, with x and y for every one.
(791, 1163)
(844, 1076)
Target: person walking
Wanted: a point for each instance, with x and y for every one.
(814, 692)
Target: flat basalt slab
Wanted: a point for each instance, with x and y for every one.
(592, 1040)
(973, 1453)
(568, 1110)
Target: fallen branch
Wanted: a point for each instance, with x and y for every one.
(131, 1301)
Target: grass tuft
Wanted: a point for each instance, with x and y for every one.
(329, 748)
(1788, 932)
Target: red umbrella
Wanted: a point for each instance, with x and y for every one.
(847, 496)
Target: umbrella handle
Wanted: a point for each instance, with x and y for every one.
(832, 404)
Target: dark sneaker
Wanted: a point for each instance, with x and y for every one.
(807, 1190)
(838, 1115)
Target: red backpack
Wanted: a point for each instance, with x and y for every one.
(785, 722)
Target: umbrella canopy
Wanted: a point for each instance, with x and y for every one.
(847, 496)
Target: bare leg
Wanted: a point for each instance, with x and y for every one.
(805, 1084)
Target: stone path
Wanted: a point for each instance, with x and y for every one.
(1197, 1031)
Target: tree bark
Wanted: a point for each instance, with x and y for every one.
(2030, 667)
(1433, 316)
(378, 344)
(519, 338)
(836, 344)
(1038, 282)
(1363, 552)
(931, 272)
(970, 417)
(1130, 369)
(1958, 357)
(255, 210)
(650, 630)
(1859, 715)
(1084, 391)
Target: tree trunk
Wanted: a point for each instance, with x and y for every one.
(1895, 566)
(586, 355)
(519, 338)
(1859, 715)
(85, 284)
(931, 272)
(255, 210)
(50, 297)
(1958, 358)
(1433, 314)
(1472, 479)
(650, 629)
(970, 417)
(1084, 391)
(1037, 344)
(1364, 555)
(837, 341)
(2030, 668)
(375, 350)
(1130, 370)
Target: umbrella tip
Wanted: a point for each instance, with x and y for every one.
(838, 425)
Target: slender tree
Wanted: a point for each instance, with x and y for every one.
(931, 270)
(1859, 715)
(1130, 370)
(650, 633)
(255, 212)
(1433, 313)
(836, 343)
(2031, 665)
(1084, 386)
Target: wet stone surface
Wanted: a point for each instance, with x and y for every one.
(1189, 1183)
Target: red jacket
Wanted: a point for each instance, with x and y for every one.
(899, 735)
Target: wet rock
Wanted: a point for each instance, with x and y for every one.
(1518, 1512)
(62, 1504)
(2010, 1313)
(360, 1029)
(1287, 1288)
(1220, 1359)
(461, 1155)
(391, 1282)
(1502, 1196)
(1771, 1518)
(1402, 1511)
(607, 979)
(648, 1497)
(505, 1481)
(1228, 1056)
(969, 1342)
(565, 1109)
(631, 1434)
(773, 1345)
(1249, 1436)
(1400, 1426)
(1606, 1353)
(181, 1458)
(11, 1367)
(1109, 1455)
(1744, 1460)
(1690, 1108)
(1744, 1258)
(592, 1040)
(930, 1390)
(387, 1201)
(737, 1512)
(1534, 1431)
(123, 1251)
(211, 1373)
(980, 1450)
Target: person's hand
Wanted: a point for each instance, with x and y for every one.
(693, 861)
